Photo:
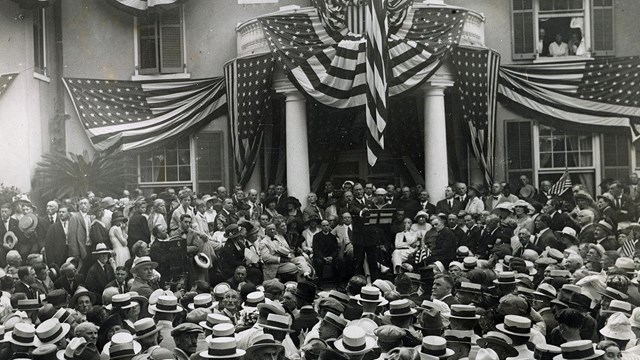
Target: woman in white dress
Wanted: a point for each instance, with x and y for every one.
(118, 237)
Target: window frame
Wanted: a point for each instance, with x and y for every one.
(40, 49)
(196, 154)
(140, 75)
(172, 183)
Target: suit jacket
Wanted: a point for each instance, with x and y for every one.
(98, 278)
(561, 220)
(138, 229)
(410, 206)
(55, 244)
(142, 288)
(122, 289)
(77, 236)
(445, 247)
(548, 238)
(442, 206)
(609, 243)
(231, 257)
(627, 209)
(472, 237)
(306, 319)
(63, 283)
(31, 292)
(487, 240)
(460, 235)
(13, 227)
(312, 211)
(586, 235)
(529, 245)
(490, 202)
(428, 207)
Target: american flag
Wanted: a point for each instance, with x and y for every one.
(377, 53)
(563, 184)
(249, 94)
(476, 84)
(133, 114)
(602, 92)
(328, 63)
(5, 81)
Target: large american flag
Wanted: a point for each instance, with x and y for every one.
(133, 114)
(601, 92)
(5, 81)
(476, 84)
(249, 93)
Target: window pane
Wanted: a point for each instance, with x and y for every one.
(558, 143)
(546, 5)
(586, 159)
(576, 4)
(561, 4)
(145, 174)
(172, 173)
(558, 160)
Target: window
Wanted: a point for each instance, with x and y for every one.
(39, 42)
(160, 42)
(564, 149)
(519, 150)
(615, 154)
(585, 26)
(171, 163)
(210, 149)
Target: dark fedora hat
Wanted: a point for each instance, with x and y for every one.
(306, 290)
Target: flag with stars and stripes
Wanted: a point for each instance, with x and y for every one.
(5, 81)
(133, 114)
(476, 84)
(249, 93)
(563, 184)
(600, 92)
(377, 54)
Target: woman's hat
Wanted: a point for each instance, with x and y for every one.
(400, 307)
(522, 203)
(371, 294)
(201, 301)
(10, 240)
(51, 331)
(167, 304)
(28, 222)
(101, 248)
(496, 339)
(434, 346)
(515, 325)
(122, 346)
(118, 216)
(142, 261)
(618, 327)
(278, 322)
(213, 320)
(463, 312)
(23, 334)
(203, 261)
(144, 328)
(82, 291)
(421, 213)
(222, 348)
(506, 278)
(232, 231)
(578, 350)
(354, 341)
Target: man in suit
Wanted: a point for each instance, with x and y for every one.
(101, 273)
(559, 220)
(69, 280)
(312, 210)
(407, 202)
(543, 195)
(473, 233)
(51, 215)
(307, 316)
(458, 231)
(27, 278)
(496, 197)
(138, 224)
(7, 224)
(461, 194)
(449, 205)
(545, 236)
(120, 280)
(228, 213)
(524, 236)
(255, 208)
(325, 251)
(78, 234)
(359, 201)
(624, 205)
(424, 204)
(488, 237)
(585, 219)
(344, 234)
(55, 243)
(444, 249)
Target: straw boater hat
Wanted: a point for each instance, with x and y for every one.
(254, 298)
(142, 261)
(122, 346)
(203, 261)
(625, 264)
(71, 348)
(29, 304)
(222, 330)
(28, 222)
(201, 301)
(434, 347)
(470, 287)
(463, 312)
(354, 341)
(213, 320)
(222, 348)
(51, 331)
(371, 294)
(10, 240)
(335, 321)
(167, 304)
(618, 327)
(515, 325)
(619, 306)
(144, 328)
(101, 249)
(277, 322)
(121, 301)
(506, 278)
(546, 352)
(400, 307)
(261, 342)
(496, 339)
(341, 297)
(578, 350)
(23, 334)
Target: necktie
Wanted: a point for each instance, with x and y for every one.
(618, 203)
(496, 197)
(51, 219)
(349, 233)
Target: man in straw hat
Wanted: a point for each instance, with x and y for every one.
(101, 273)
(222, 348)
(264, 347)
(142, 270)
(165, 309)
(354, 343)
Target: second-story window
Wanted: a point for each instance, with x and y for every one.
(160, 47)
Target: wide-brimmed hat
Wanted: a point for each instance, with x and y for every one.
(605, 225)
(470, 287)
(434, 347)
(524, 204)
(261, 342)
(401, 307)
(82, 291)
(142, 261)
(371, 294)
(28, 222)
(144, 328)
(9, 240)
(463, 312)
(222, 348)
(515, 325)
(120, 301)
(429, 321)
(29, 304)
(203, 261)
(213, 320)
(354, 341)
(496, 339)
(232, 231)
(569, 233)
(506, 278)
(201, 301)
(421, 213)
(618, 327)
(167, 304)
(546, 352)
(101, 248)
(578, 350)
(118, 216)
(277, 322)
(122, 345)
(71, 348)
(619, 306)
(546, 290)
(23, 334)
(508, 206)
(51, 331)
(107, 202)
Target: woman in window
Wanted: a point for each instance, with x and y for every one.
(118, 237)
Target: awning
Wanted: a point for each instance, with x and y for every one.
(142, 7)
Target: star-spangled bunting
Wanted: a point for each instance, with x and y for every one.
(249, 93)
(601, 92)
(476, 84)
(5, 81)
(131, 114)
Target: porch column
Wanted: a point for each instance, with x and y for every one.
(436, 170)
(297, 147)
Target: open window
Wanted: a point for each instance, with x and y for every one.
(160, 42)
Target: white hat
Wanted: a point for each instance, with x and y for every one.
(354, 341)
(618, 327)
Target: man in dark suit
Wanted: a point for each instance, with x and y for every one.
(69, 280)
(524, 236)
(624, 205)
(461, 194)
(559, 220)
(55, 243)
(473, 233)
(488, 237)
(325, 251)
(449, 205)
(138, 224)
(458, 231)
(101, 273)
(7, 224)
(424, 203)
(27, 277)
(585, 220)
(359, 201)
(496, 197)
(307, 317)
(543, 194)
(232, 253)
(120, 280)
(407, 202)
(228, 213)
(545, 236)
(444, 249)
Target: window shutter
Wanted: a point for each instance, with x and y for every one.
(148, 35)
(38, 41)
(171, 42)
(522, 29)
(603, 28)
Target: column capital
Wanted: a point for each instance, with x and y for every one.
(436, 87)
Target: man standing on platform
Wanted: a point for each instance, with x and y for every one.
(325, 251)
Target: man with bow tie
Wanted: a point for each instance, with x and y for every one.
(496, 197)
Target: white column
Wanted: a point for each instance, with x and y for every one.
(297, 147)
(436, 169)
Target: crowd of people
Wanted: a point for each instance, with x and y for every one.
(359, 272)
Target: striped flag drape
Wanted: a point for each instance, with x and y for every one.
(249, 93)
(563, 184)
(134, 114)
(377, 55)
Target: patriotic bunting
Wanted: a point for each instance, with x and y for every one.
(142, 7)
(133, 114)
